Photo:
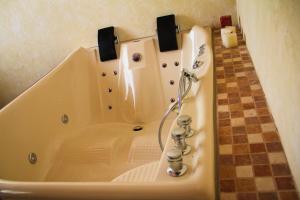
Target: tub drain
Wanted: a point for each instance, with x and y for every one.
(137, 128)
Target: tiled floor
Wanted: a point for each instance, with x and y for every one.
(252, 163)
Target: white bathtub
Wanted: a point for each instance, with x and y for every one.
(95, 154)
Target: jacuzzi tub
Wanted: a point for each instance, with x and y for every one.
(79, 122)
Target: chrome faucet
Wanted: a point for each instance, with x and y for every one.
(176, 167)
(185, 121)
(178, 135)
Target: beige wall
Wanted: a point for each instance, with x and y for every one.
(272, 34)
(35, 35)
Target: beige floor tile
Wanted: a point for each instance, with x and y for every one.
(244, 171)
(223, 96)
(237, 121)
(255, 138)
(223, 108)
(225, 149)
(248, 64)
(237, 59)
(277, 157)
(268, 127)
(228, 196)
(250, 113)
(227, 60)
(221, 81)
(219, 68)
(265, 184)
(240, 74)
(247, 99)
(255, 87)
(232, 84)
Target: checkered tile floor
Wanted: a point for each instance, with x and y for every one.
(252, 162)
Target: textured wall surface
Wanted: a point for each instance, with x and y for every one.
(35, 35)
(272, 34)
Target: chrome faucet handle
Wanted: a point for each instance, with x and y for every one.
(178, 135)
(185, 121)
(176, 167)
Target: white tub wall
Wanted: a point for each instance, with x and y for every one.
(37, 35)
(171, 72)
(32, 123)
(272, 35)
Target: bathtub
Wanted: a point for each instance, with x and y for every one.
(88, 129)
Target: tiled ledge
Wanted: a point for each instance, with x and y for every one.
(252, 162)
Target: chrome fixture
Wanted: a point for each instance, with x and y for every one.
(197, 62)
(176, 167)
(64, 119)
(185, 76)
(185, 121)
(32, 158)
(178, 135)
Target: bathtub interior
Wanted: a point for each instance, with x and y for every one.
(98, 142)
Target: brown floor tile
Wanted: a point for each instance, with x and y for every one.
(242, 159)
(265, 119)
(247, 106)
(224, 122)
(251, 120)
(280, 169)
(235, 107)
(227, 185)
(225, 159)
(225, 139)
(261, 104)
(274, 147)
(284, 183)
(253, 129)
(233, 95)
(238, 130)
(262, 170)
(227, 171)
(260, 158)
(238, 139)
(236, 114)
(240, 149)
(270, 137)
(257, 148)
(222, 101)
(225, 130)
(262, 112)
(267, 196)
(246, 196)
(245, 184)
(289, 195)
(223, 115)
